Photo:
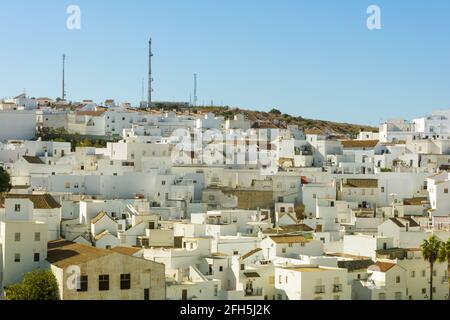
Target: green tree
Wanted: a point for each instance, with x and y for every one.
(5, 180)
(444, 254)
(275, 111)
(36, 285)
(430, 251)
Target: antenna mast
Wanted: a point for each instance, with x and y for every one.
(195, 89)
(63, 96)
(150, 79)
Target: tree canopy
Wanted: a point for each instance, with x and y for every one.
(5, 180)
(36, 285)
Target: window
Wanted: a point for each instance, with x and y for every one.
(221, 269)
(397, 279)
(103, 282)
(424, 291)
(36, 257)
(242, 267)
(17, 257)
(163, 183)
(37, 236)
(283, 250)
(424, 273)
(17, 236)
(17, 208)
(434, 273)
(235, 253)
(67, 185)
(413, 274)
(82, 284)
(445, 190)
(279, 280)
(216, 290)
(125, 281)
(398, 296)
(434, 289)
(290, 245)
(382, 296)
(146, 294)
(382, 189)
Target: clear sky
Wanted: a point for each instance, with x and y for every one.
(311, 58)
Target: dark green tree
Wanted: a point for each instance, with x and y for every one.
(275, 111)
(5, 180)
(36, 285)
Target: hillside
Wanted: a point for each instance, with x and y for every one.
(277, 119)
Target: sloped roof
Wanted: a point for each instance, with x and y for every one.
(353, 265)
(91, 113)
(33, 160)
(359, 143)
(62, 253)
(288, 239)
(289, 229)
(129, 251)
(99, 217)
(250, 253)
(252, 275)
(401, 222)
(382, 266)
(103, 234)
(40, 201)
(361, 183)
(415, 201)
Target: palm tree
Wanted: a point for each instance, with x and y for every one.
(444, 253)
(430, 252)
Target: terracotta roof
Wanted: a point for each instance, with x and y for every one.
(33, 160)
(359, 143)
(129, 251)
(252, 275)
(415, 201)
(288, 239)
(401, 222)
(289, 229)
(62, 253)
(100, 216)
(249, 254)
(382, 266)
(91, 113)
(361, 183)
(40, 201)
(101, 235)
(353, 265)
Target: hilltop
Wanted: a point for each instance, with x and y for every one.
(281, 120)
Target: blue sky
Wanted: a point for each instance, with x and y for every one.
(315, 58)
